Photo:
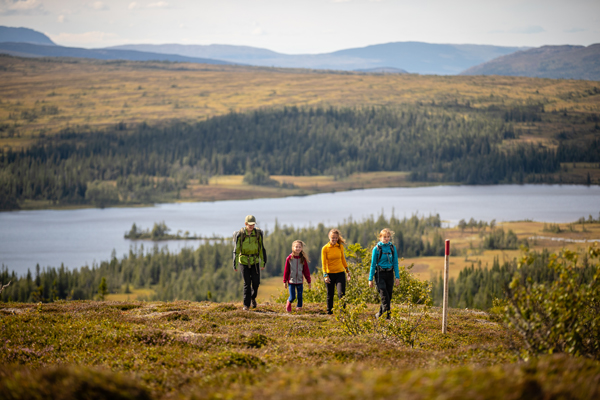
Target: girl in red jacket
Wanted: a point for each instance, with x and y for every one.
(296, 268)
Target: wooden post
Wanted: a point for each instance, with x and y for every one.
(445, 303)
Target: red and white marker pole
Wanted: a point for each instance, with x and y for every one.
(445, 303)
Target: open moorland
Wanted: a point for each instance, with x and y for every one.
(44, 96)
(188, 350)
(97, 133)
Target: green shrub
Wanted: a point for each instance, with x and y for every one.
(404, 326)
(562, 316)
(229, 359)
(257, 341)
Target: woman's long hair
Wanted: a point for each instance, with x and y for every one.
(303, 254)
(341, 240)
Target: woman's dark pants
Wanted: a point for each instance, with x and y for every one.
(385, 284)
(251, 275)
(338, 281)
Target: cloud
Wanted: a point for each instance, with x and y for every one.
(575, 30)
(21, 7)
(61, 19)
(159, 4)
(133, 5)
(99, 5)
(340, 1)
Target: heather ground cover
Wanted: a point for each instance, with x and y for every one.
(206, 350)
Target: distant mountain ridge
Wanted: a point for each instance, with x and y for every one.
(36, 50)
(570, 62)
(24, 35)
(414, 57)
(557, 62)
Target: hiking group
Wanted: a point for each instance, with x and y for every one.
(249, 252)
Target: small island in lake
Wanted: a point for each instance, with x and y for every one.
(160, 231)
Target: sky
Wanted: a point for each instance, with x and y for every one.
(307, 26)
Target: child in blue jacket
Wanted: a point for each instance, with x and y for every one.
(384, 267)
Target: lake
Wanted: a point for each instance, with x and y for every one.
(82, 237)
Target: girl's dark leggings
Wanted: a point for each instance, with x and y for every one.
(338, 281)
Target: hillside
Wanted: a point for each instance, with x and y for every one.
(24, 35)
(35, 50)
(140, 132)
(556, 62)
(414, 57)
(188, 350)
(102, 93)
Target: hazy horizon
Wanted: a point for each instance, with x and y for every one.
(308, 26)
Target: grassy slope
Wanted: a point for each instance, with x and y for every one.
(207, 350)
(97, 93)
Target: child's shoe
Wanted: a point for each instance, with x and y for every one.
(298, 309)
(288, 307)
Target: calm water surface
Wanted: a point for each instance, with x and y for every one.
(82, 237)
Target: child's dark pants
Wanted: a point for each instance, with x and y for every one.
(385, 284)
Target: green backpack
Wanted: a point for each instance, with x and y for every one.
(241, 236)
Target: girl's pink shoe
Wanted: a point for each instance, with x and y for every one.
(288, 307)
(298, 309)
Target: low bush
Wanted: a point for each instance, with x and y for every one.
(562, 316)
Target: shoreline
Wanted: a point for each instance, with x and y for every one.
(232, 187)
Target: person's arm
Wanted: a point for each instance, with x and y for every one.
(236, 251)
(344, 263)
(344, 258)
(306, 272)
(262, 254)
(395, 262)
(286, 270)
(324, 261)
(373, 264)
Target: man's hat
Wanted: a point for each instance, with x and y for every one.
(250, 220)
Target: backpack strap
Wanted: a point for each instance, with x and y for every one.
(259, 234)
(380, 250)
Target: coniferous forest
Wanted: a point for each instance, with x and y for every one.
(136, 164)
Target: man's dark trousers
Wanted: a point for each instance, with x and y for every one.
(251, 275)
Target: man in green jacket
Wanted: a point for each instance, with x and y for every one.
(249, 251)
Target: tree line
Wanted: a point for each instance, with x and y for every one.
(478, 287)
(206, 273)
(146, 162)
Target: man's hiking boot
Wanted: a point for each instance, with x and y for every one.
(378, 315)
(253, 303)
(388, 315)
(245, 308)
(288, 306)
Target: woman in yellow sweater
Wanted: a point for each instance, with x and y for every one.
(334, 267)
